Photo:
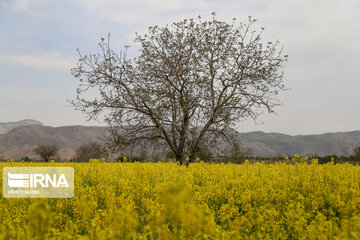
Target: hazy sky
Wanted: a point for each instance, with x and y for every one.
(39, 39)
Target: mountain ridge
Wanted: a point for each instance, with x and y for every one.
(20, 140)
(5, 127)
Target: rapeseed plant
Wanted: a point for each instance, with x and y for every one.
(201, 201)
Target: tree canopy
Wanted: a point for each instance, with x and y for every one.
(46, 151)
(191, 80)
(91, 150)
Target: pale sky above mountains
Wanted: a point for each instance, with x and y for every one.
(40, 37)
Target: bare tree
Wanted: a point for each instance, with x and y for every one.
(238, 152)
(89, 151)
(46, 151)
(190, 79)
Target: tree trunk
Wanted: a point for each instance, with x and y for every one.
(179, 158)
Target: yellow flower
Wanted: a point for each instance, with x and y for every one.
(202, 201)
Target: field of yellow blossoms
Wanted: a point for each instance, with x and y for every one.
(202, 201)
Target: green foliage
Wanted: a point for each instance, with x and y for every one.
(336, 159)
(321, 159)
(328, 158)
(357, 153)
(130, 159)
(26, 159)
(136, 159)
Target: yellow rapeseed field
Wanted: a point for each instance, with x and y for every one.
(202, 201)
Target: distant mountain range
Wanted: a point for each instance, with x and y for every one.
(272, 144)
(18, 139)
(6, 127)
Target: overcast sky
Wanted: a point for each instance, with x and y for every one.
(39, 39)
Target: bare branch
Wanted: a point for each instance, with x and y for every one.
(190, 79)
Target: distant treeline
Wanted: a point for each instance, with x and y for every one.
(321, 159)
(94, 150)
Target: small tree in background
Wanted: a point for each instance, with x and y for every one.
(357, 153)
(91, 150)
(238, 151)
(46, 151)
